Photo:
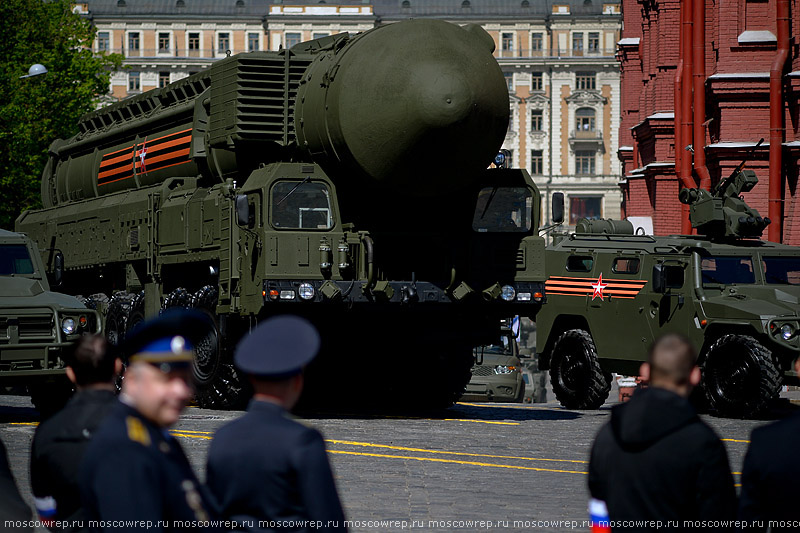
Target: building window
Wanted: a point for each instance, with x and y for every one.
(584, 162)
(537, 166)
(577, 44)
(223, 42)
(134, 83)
(252, 42)
(194, 45)
(133, 42)
(584, 207)
(536, 81)
(103, 41)
(507, 42)
(536, 120)
(584, 120)
(509, 81)
(537, 42)
(594, 42)
(292, 39)
(510, 159)
(163, 43)
(585, 81)
(319, 35)
(163, 79)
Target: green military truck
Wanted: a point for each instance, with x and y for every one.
(612, 291)
(497, 372)
(344, 179)
(35, 323)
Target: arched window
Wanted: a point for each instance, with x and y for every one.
(465, 4)
(406, 4)
(585, 120)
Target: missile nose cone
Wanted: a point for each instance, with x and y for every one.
(443, 97)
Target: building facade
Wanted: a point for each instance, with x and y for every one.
(558, 58)
(725, 80)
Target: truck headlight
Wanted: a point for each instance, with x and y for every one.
(306, 291)
(508, 293)
(503, 369)
(787, 331)
(68, 326)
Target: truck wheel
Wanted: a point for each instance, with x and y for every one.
(740, 376)
(575, 373)
(135, 313)
(180, 297)
(99, 302)
(218, 383)
(117, 317)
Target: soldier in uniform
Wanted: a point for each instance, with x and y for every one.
(60, 441)
(135, 476)
(266, 470)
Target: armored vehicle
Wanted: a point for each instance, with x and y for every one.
(496, 373)
(612, 291)
(344, 179)
(36, 325)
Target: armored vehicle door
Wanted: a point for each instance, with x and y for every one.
(669, 299)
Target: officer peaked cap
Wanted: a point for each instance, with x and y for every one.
(168, 341)
(278, 348)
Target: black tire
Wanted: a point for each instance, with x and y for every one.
(219, 385)
(740, 377)
(50, 397)
(99, 302)
(575, 373)
(116, 326)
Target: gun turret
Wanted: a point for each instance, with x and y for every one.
(722, 213)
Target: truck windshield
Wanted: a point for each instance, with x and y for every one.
(503, 210)
(14, 259)
(782, 270)
(728, 270)
(301, 205)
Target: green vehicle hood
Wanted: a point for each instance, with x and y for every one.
(26, 292)
(753, 302)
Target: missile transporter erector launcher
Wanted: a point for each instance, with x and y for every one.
(344, 180)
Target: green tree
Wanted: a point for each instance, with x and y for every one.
(36, 111)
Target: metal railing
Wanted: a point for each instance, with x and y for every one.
(173, 52)
(555, 53)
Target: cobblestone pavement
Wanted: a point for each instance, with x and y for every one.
(516, 467)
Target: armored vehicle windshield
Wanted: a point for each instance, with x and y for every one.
(15, 260)
(503, 210)
(781, 270)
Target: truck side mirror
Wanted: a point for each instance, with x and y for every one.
(244, 214)
(58, 269)
(557, 207)
(659, 278)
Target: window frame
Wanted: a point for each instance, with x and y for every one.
(537, 120)
(537, 156)
(286, 35)
(573, 202)
(104, 41)
(586, 80)
(537, 81)
(581, 258)
(296, 181)
(582, 157)
(160, 35)
(134, 75)
(250, 40)
(227, 37)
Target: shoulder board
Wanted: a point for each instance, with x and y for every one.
(136, 431)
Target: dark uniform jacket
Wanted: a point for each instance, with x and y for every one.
(135, 477)
(58, 447)
(12, 506)
(656, 460)
(266, 467)
(770, 476)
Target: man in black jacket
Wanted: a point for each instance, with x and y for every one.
(268, 471)
(656, 460)
(60, 441)
(770, 474)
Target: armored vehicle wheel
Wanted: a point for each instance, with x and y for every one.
(48, 398)
(180, 297)
(575, 373)
(740, 376)
(219, 386)
(136, 312)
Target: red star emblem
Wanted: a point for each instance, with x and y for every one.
(598, 287)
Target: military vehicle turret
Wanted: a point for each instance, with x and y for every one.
(36, 325)
(612, 291)
(344, 179)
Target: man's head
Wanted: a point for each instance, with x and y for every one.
(160, 351)
(90, 365)
(273, 357)
(671, 364)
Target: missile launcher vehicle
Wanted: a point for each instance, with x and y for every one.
(612, 291)
(345, 179)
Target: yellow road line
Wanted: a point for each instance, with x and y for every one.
(188, 436)
(735, 440)
(477, 421)
(23, 423)
(452, 461)
(490, 406)
(465, 454)
(189, 431)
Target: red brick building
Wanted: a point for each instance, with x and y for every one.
(721, 75)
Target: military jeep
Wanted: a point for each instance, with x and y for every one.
(611, 291)
(36, 325)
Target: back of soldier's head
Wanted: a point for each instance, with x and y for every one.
(672, 358)
(90, 360)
